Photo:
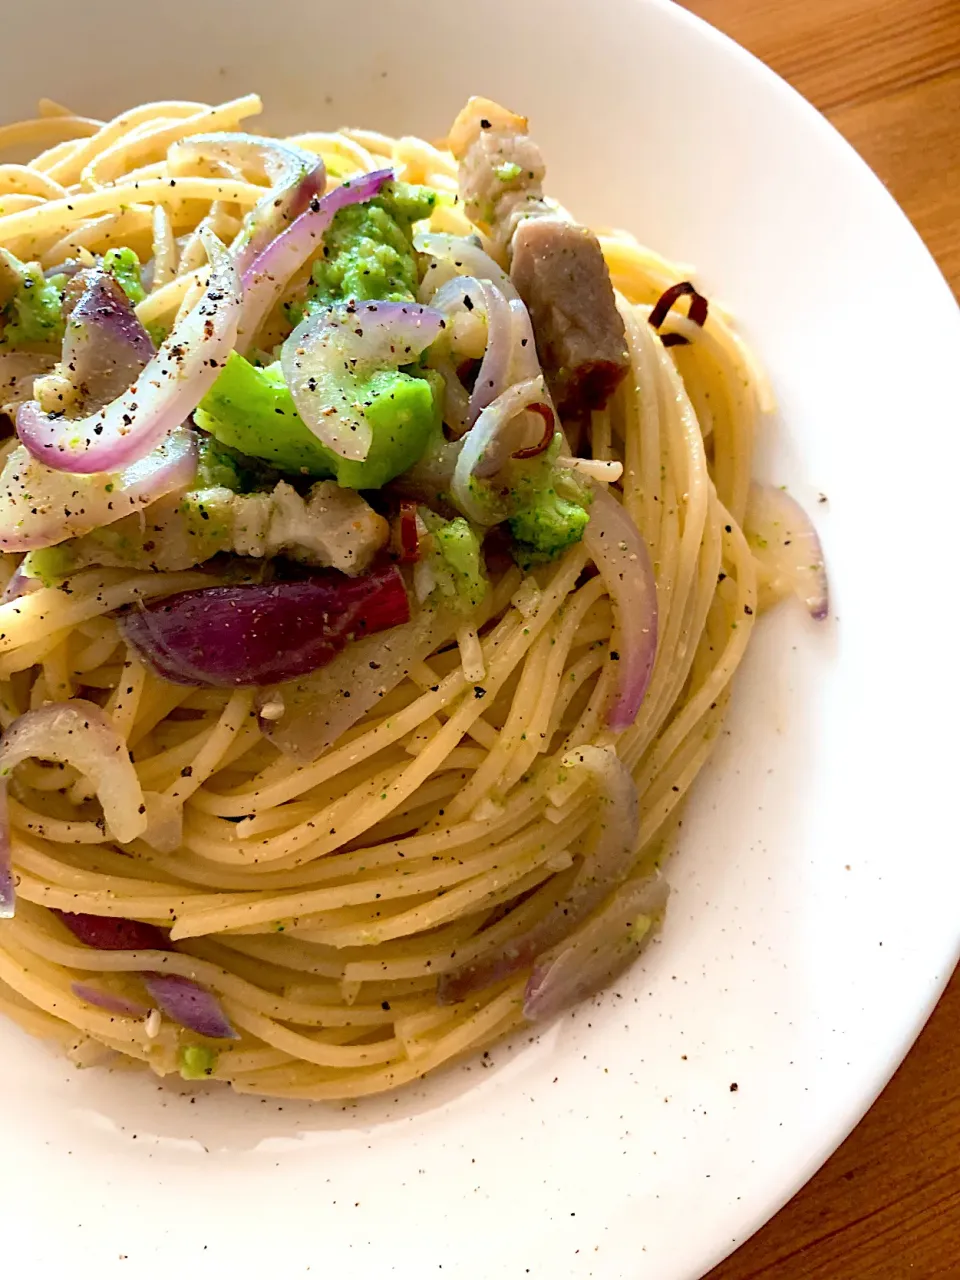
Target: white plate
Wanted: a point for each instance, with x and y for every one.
(815, 917)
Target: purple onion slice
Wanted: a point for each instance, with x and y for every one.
(193, 1006)
(621, 556)
(260, 634)
(164, 394)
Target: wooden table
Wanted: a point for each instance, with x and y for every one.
(887, 74)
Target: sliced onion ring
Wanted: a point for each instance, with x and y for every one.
(165, 393)
(493, 374)
(621, 556)
(611, 848)
(786, 545)
(598, 951)
(316, 711)
(42, 507)
(20, 584)
(328, 349)
(113, 933)
(296, 177)
(80, 734)
(181, 999)
(190, 1004)
(261, 633)
(107, 1000)
(457, 255)
(8, 895)
(104, 346)
(265, 279)
(484, 451)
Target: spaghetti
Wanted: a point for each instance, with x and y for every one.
(363, 917)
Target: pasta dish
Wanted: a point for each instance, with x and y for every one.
(379, 547)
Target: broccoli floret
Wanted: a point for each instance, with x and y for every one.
(124, 266)
(32, 308)
(545, 527)
(549, 508)
(251, 409)
(196, 1062)
(368, 252)
(456, 561)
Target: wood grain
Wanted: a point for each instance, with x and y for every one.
(887, 74)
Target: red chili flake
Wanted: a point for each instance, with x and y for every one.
(699, 307)
(409, 536)
(549, 428)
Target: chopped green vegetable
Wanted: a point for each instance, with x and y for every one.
(250, 409)
(368, 251)
(548, 508)
(179, 533)
(220, 467)
(217, 466)
(545, 527)
(456, 561)
(124, 265)
(196, 1062)
(31, 304)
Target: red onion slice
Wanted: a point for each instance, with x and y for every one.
(80, 734)
(113, 933)
(599, 951)
(181, 999)
(265, 279)
(621, 556)
(493, 374)
(784, 541)
(193, 1006)
(166, 392)
(42, 507)
(107, 1000)
(258, 634)
(104, 345)
(457, 255)
(317, 711)
(330, 351)
(8, 896)
(18, 369)
(612, 845)
(20, 584)
(486, 447)
(295, 176)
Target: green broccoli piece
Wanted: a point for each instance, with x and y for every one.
(220, 467)
(545, 527)
(251, 409)
(124, 266)
(32, 304)
(217, 466)
(368, 251)
(548, 508)
(456, 561)
(196, 1062)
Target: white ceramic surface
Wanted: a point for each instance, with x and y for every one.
(815, 916)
